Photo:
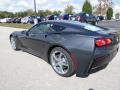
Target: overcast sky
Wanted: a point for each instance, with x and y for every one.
(21, 5)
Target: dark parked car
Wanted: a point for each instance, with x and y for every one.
(50, 17)
(56, 17)
(65, 17)
(31, 19)
(18, 20)
(86, 17)
(39, 19)
(100, 18)
(70, 47)
(43, 19)
(13, 20)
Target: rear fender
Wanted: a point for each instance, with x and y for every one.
(82, 52)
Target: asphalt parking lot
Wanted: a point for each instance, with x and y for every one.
(22, 71)
(113, 24)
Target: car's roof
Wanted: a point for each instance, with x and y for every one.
(76, 25)
(62, 21)
(66, 23)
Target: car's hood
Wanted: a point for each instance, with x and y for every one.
(16, 32)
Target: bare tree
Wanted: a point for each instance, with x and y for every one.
(102, 7)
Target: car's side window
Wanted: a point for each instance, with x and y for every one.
(46, 28)
(49, 27)
(39, 28)
(34, 30)
(57, 28)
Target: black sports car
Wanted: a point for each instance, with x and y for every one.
(70, 47)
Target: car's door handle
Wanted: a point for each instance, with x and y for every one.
(45, 35)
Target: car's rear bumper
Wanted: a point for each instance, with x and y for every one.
(100, 60)
(103, 61)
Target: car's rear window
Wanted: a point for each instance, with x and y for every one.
(88, 26)
(92, 28)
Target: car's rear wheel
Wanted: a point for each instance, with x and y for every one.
(61, 62)
(13, 43)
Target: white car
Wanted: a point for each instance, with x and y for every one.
(25, 20)
(4, 20)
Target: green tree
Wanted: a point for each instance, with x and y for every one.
(87, 7)
(109, 13)
(5, 14)
(57, 12)
(47, 12)
(69, 9)
(41, 13)
(30, 12)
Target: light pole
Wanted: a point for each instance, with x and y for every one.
(35, 11)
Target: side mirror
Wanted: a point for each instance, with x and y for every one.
(25, 32)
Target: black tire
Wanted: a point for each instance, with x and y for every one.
(94, 23)
(15, 42)
(69, 59)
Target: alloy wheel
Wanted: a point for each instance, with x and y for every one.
(13, 43)
(59, 62)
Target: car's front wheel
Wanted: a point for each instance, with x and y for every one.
(61, 62)
(13, 43)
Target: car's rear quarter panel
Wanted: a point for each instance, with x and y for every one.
(81, 49)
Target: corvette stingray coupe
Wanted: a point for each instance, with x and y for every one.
(70, 47)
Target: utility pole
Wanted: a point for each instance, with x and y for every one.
(35, 11)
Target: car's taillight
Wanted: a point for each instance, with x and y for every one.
(103, 42)
(108, 41)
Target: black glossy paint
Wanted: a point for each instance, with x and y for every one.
(79, 43)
